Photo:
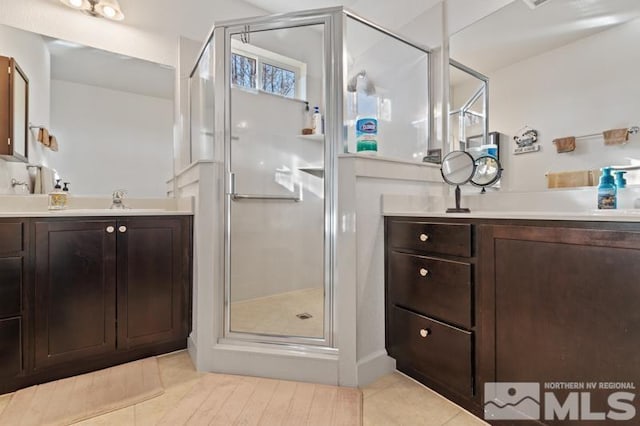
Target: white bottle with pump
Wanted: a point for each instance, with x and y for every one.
(316, 122)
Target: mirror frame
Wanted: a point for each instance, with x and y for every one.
(7, 112)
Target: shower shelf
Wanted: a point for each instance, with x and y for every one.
(315, 171)
(319, 138)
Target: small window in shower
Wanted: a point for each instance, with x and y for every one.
(243, 71)
(278, 80)
(264, 70)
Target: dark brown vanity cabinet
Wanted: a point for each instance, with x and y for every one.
(13, 242)
(535, 302)
(106, 286)
(429, 308)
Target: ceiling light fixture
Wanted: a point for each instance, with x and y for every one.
(109, 9)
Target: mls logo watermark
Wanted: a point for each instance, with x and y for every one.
(512, 401)
(525, 401)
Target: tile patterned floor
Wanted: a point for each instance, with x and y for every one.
(277, 314)
(392, 400)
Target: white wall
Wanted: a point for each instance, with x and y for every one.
(111, 140)
(150, 30)
(32, 55)
(585, 87)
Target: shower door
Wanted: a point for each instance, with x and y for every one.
(278, 250)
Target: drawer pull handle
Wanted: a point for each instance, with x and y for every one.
(424, 237)
(424, 332)
(110, 229)
(424, 272)
(122, 229)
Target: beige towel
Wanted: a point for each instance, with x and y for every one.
(569, 179)
(567, 144)
(616, 136)
(43, 136)
(53, 143)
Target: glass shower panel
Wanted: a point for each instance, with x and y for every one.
(277, 201)
(389, 78)
(201, 107)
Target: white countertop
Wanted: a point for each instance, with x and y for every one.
(96, 213)
(565, 206)
(79, 206)
(596, 215)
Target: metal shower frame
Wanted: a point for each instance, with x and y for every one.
(334, 20)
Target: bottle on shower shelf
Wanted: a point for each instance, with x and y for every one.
(317, 123)
(307, 124)
(367, 118)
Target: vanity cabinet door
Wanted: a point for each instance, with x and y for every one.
(75, 273)
(560, 305)
(153, 280)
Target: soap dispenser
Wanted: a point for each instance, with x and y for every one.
(607, 191)
(621, 182)
(57, 197)
(624, 200)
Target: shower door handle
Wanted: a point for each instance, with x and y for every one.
(239, 197)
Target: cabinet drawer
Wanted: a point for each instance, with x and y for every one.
(10, 347)
(435, 287)
(445, 238)
(10, 286)
(10, 237)
(438, 351)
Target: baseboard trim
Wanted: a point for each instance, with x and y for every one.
(374, 366)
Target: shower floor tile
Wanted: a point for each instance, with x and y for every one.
(277, 314)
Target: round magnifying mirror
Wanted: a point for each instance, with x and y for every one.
(458, 167)
(488, 171)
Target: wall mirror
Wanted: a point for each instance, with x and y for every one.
(112, 115)
(14, 111)
(565, 68)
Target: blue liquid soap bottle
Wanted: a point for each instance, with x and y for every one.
(624, 197)
(621, 182)
(607, 191)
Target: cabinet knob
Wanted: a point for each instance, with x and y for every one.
(122, 228)
(424, 332)
(110, 229)
(424, 237)
(424, 272)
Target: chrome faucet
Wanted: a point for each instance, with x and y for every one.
(117, 201)
(15, 182)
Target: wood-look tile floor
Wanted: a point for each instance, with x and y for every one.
(392, 400)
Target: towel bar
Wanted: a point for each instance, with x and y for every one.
(632, 130)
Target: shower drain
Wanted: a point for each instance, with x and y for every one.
(304, 315)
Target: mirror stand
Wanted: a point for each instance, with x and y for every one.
(457, 208)
(458, 168)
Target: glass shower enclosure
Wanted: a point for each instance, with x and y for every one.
(253, 90)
